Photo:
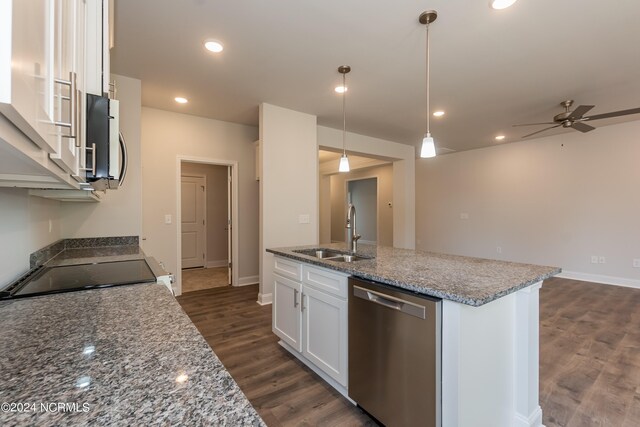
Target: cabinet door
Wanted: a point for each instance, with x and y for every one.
(287, 319)
(26, 68)
(68, 26)
(325, 332)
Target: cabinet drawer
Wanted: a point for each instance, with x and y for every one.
(287, 268)
(325, 280)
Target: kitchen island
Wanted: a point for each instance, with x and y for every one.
(126, 355)
(489, 324)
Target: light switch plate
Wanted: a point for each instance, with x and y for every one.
(167, 219)
(304, 219)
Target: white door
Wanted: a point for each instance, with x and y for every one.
(229, 226)
(192, 202)
(324, 319)
(286, 311)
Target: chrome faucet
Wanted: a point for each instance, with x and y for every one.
(352, 235)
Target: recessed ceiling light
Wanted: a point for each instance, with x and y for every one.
(181, 100)
(341, 89)
(213, 46)
(500, 137)
(438, 113)
(501, 4)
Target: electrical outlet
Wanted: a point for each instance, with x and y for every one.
(636, 263)
(594, 259)
(167, 219)
(464, 215)
(499, 249)
(601, 260)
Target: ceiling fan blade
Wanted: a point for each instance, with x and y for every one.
(531, 134)
(613, 114)
(533, 124)
(582, 127)
(580, 111)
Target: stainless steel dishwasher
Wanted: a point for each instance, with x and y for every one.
(394, 354)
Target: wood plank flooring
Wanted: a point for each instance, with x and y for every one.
(589, 357)
(281, 388)
(589, 354)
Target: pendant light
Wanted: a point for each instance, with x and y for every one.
(344, 160)
(428, 148)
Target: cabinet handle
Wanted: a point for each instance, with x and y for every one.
(295, 297)
(302, 301)
(73, 106)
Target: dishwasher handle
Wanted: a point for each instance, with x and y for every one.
(391, 302)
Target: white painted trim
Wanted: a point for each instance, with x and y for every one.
(233, 164)
(265, 299)
(217, 263)
(599, 278)
(248, 280)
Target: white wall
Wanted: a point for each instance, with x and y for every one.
(120, 211)
(555, 201)
(337, 210)
(404, 181)
(167, 135)
(216, 179)
(24, 228)
(288, 186)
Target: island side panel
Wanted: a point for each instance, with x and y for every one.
(490, 362)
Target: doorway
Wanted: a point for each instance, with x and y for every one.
(363, 194)
(205, 226)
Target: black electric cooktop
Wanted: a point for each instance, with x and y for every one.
(68, 278)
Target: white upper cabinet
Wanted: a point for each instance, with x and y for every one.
(68, 89)
(26, 69)
(52, 53)
(98, 42)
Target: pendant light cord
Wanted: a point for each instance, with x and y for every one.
(427, 74)
(344, 115)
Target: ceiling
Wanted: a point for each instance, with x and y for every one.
(489, 69)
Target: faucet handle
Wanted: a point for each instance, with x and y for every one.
(356, 237)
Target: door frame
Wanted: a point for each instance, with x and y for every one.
(346, 203)
(234, 213)
(204, 245)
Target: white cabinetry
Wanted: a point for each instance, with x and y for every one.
(26, 69)
(310, 316)
(45, 56)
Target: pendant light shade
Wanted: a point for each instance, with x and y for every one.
(344, 160)
(344, 164)
(428, 148)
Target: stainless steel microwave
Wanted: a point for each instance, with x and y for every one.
(106, 148)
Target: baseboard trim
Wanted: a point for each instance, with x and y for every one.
(600, 278)
(265, 299)
(218, 263)
(248, 280)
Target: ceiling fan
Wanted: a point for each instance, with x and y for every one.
(575, 119)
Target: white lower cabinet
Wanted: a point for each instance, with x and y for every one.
(311, 318)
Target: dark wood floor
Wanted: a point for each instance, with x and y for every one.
(589, 354)
(589, 357)
(281, 388)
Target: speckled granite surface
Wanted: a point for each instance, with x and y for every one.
(123, 352)
(90, 255)
(471, 281)
(43, 255)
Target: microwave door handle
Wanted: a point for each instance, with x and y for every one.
(125, 159)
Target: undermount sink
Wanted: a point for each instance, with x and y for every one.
(332, 255)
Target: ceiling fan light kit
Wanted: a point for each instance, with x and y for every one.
(575, 119)
(428, 147)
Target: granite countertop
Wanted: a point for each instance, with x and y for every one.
(76, 256)
(471, 281)
(125, 355)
